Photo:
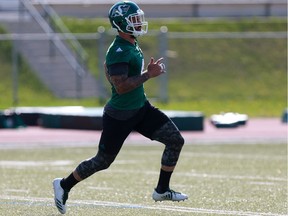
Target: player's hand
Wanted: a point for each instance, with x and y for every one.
(155, 68)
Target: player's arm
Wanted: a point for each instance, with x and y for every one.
(117, 75)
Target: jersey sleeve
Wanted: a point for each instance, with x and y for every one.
(118, 68)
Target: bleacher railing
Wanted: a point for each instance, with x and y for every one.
(78, 61)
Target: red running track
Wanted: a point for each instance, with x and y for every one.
(257, 130)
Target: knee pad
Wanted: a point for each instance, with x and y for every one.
(90, 166)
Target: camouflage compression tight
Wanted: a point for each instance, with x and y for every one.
(92, 165)
(168, 134)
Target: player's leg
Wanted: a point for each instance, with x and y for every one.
(157, 126)
(113, 135)
(171, 137)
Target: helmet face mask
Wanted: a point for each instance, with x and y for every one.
(127, 17)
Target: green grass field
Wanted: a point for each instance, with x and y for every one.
(219, 179)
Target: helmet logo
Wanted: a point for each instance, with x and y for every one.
(120, 10)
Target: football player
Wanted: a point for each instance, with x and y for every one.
(128, 109)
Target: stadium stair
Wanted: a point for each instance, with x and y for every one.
(52, 60)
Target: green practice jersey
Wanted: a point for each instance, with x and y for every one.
(122, 51)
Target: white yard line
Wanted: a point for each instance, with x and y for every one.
(14, 200)
(241, 177)
(60, 163)
(16, 164)
(214, 155)
(208, 175)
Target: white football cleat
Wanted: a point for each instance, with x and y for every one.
(169, 195)
(60, 196)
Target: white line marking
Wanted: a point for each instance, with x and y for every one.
(14, 200)
(99, 188)
(17, 164)
(61, 163)
(261, 183)
(207, 175)
(16, 190)
(216, 155)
